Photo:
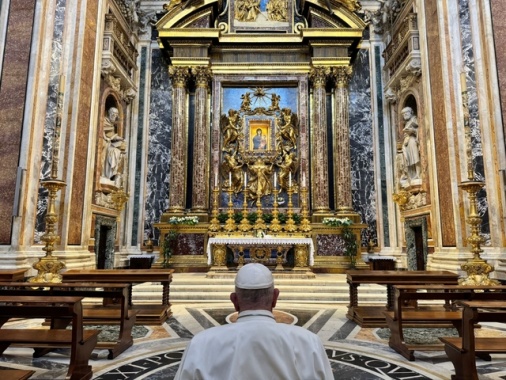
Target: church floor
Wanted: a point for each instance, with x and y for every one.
(354, 352)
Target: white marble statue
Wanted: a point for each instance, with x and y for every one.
(411, 145)
(113, 147)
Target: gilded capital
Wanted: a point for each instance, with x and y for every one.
(203, 75)
(179, 75)
(318, 75)
(341, 75)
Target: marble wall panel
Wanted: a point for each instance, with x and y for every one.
(361, 145)
(190, 244)
(439, 127)
(139, 151)
(329, 245)
(12, 99)
(474, 120)
(49, 122)
(499, 29)
(82, 133)
(160, 127)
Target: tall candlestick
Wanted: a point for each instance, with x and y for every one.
(275, 179)
(215, 179)
(303, 179)
(290, 179)
(245, 180)
(230, 179)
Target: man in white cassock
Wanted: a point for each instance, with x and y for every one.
(255, 347)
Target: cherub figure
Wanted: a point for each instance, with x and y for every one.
(288, 129)
(246, 102)
(230, 128)
(233, 165)
(289, 164)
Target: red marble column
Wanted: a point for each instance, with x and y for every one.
(341, 132)
(200, 190)
(177, 184)
(319, 153)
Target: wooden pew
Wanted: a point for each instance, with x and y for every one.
(372, 316)
(409, 313)
(462, 351)
(81, 342)
(115, 309)
(155, 313)
(15, 374)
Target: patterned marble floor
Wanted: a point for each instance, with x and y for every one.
(354, 352)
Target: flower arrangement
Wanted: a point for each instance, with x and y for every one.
(187, 220)
(337, 222)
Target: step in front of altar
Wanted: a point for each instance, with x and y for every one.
(197, 288)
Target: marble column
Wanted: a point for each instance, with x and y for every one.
(319, 162)
(200, 190)
(177, 182)
(341, 143)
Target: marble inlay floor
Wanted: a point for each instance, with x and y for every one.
(354, 352)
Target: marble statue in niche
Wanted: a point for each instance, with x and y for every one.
(113, 150)
(411, 146)
(400, 168)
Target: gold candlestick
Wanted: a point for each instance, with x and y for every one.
(476, 268)
(230, 223)
(245, 225)
(214, 226)
(260, 225)
(305, 224)
(290, 223)
(275, 225)
(48, 267)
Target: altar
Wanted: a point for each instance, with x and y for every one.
(261, 250)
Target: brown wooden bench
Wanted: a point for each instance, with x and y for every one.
(81, 342)
(155, 313)
(15, 374)
(462, 351)
(372, 316)
(409, 312)
(114, 308)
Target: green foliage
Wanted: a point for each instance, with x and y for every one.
(351, 245)
(237, 217)
(252, 217)
(267, 218)
(167, 247)
(297, 218)
(222, 217)
(282, 218)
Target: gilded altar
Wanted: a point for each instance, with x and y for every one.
(265, 250)
(261, 157)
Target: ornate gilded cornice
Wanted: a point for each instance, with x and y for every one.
(341, 75)
(318, 76)
(203, 75)
(179, 75)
